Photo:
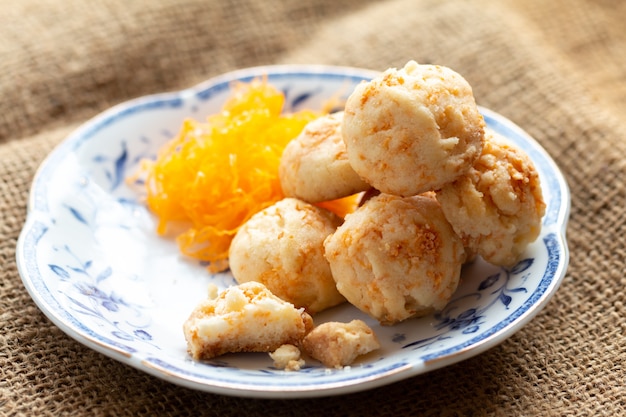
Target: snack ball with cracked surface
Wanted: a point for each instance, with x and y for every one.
(282, 247)
(412, 130)
(497, 207)
(230, 321)
(396, 257)
(314, 166)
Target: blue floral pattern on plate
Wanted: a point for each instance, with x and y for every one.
(91, 260)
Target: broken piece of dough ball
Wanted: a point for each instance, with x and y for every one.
(282, 246)
(339, 344)
(396, 257)
(314, 166)
(244, 318)
(412, 130)
(287, 357)
(496, 208)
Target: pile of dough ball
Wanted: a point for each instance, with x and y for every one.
(438, 188)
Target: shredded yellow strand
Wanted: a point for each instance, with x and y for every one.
(215, 175)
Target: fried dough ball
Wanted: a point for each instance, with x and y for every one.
(314, 166)
(282, 247)
(496, 208)
(244, 318)
(339, 344)
(412, 130)
(396, 257)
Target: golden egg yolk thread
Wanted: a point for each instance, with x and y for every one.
(214, 175)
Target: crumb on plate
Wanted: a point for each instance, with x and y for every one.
(339, 344)
(287, 357)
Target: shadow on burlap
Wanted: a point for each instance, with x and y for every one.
(62, 62)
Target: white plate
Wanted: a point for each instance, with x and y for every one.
(91, 260)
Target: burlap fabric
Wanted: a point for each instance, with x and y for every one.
(556, 68)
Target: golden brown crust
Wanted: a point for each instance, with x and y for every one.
(496, 208)
(282, 247)
(396, 258)
(412, 130)
(314, 166)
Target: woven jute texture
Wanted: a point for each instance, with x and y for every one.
(558, 69)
